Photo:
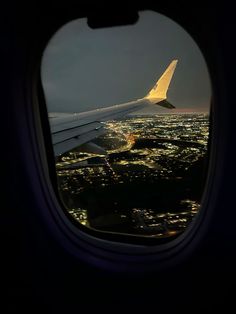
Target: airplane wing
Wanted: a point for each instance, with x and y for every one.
(74, 129)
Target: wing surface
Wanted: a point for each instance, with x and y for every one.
(72, 130)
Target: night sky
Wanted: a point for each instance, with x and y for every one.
(83, 69)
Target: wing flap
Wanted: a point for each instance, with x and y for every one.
(72, 132)
(70, 143)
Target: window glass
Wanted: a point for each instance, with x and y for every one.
(129, 114)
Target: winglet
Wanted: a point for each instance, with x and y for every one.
(159, 90)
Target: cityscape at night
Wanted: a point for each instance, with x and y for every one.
(148, 183)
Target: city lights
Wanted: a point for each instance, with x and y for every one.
(150, 182)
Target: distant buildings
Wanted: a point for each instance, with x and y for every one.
(148, 150)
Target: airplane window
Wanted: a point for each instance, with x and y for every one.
(128, 108)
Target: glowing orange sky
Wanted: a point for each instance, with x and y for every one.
(189, 110)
